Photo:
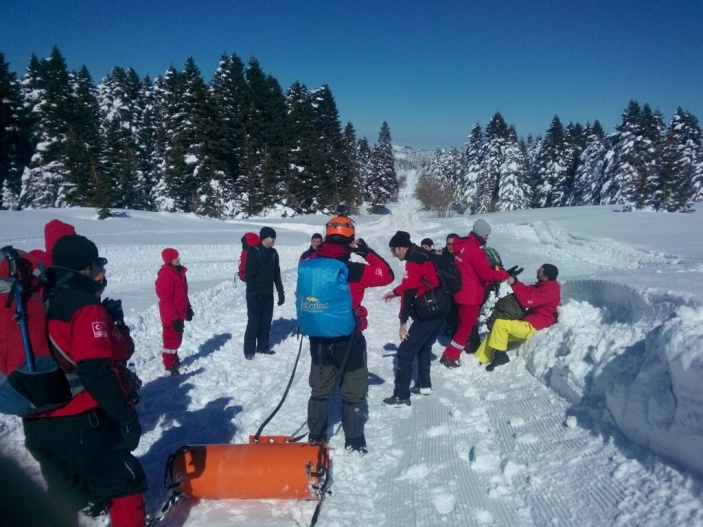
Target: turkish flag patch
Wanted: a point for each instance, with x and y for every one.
(99, 330)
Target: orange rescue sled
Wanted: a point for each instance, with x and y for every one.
(272, 467)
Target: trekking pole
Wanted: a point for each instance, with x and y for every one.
(12, 258)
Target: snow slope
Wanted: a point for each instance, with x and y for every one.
(595, 421)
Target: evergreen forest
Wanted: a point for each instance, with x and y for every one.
(239, 145)
(232, 147)
(645, 164)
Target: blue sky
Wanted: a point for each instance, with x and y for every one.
(430, 69)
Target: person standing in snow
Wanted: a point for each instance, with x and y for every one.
(84, 447)
(263, 271)
(416, 340)
(476, 274)
(315, 242)
(345, 357)
(540, 300)
(427, 244)
(174, 306)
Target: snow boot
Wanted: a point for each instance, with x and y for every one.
(416, 390)
(396, 401)
(499, 358)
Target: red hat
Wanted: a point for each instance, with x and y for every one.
(169, 254)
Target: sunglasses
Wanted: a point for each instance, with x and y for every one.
(100, 262)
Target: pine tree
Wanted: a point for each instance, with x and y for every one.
(351, 193)
(468, 186)
(229, 94)
(302, 192)
(550, 167)
(46, 181)
(492, 159)
(514, 189)
(15, 145)
(122, 101)
(383, 179)
(83, 144)
(681, 168)
(263, 159)
(590, 173)
(335, 177)
(363, 155)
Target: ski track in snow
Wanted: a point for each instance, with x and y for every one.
(515, 447)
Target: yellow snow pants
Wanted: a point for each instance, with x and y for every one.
(503, 331)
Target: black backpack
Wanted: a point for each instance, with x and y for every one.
(448, 273)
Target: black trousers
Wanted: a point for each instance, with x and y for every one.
(259, 316)
(421, 336)
(78, 459)
(327, 368)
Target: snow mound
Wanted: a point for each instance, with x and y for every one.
(631, 362)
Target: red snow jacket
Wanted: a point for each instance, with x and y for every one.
(541, 300)
(374, 273)
(476, 270)
(172, 289)
(419, 272)
(79, 329)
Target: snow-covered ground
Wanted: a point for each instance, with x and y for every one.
(595, 421)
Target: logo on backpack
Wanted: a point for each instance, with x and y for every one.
(30, 379)
(323, 299)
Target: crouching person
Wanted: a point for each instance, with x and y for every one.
(84, 448)
(540, 302)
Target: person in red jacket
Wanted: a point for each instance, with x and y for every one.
(84, 447)
(476, 274)
(174, 306)
(416, 340)
(345, 357)
(540, 300)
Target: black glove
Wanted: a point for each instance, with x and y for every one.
(515, 270)
(114, 309)
(281, 298)
(131, 432)
(178, 325)
(362, 248)
(189, 315)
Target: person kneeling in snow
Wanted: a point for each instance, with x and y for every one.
(540, 300)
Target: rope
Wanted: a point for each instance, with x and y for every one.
(285, 394)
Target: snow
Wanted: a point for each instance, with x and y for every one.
(595, 421)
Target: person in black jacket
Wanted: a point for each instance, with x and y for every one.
(262, 273)
(84, 447)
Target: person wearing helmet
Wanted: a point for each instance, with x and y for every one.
(345, 357)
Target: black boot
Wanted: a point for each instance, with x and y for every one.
(499, 358)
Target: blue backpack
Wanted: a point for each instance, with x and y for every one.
(323, 300)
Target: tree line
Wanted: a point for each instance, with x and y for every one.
(644, 164)
(232, 147)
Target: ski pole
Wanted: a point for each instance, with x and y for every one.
(12, 257)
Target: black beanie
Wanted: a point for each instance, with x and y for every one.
(400, 239)
(550, 271)
(266, 232)
(74, 252)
